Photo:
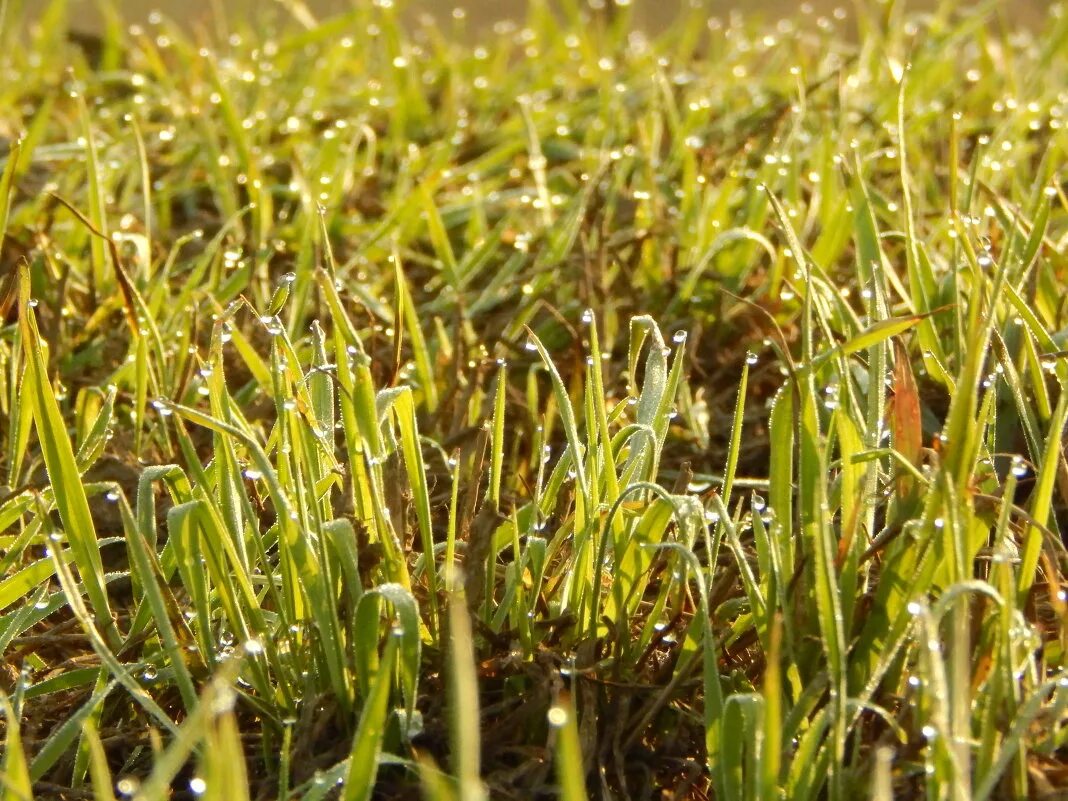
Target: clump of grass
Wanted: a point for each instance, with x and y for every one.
(383, 412)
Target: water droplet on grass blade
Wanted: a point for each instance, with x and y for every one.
(127, 785)
(557, 716)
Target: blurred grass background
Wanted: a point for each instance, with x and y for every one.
(483, 13)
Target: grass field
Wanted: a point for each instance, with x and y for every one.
(563, 413)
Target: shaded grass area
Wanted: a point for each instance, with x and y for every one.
(574, 413)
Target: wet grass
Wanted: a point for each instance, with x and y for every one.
(570, 413)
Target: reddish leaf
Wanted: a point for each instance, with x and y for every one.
(906, 428)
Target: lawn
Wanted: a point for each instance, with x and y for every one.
(393, 409)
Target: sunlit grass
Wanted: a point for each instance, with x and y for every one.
(562, 411)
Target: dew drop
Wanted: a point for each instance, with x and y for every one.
(557, 716)
(127, 785)
(1019, 467)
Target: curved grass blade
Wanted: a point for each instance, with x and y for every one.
(63, 473)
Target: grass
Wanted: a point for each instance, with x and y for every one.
(393, 411)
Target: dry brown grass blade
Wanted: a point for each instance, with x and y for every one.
(906, 427)
(126, 286)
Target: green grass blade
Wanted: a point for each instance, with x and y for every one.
(15, 782)
(570, 774)
(464, 715)
(62, 467)
(367, 744)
